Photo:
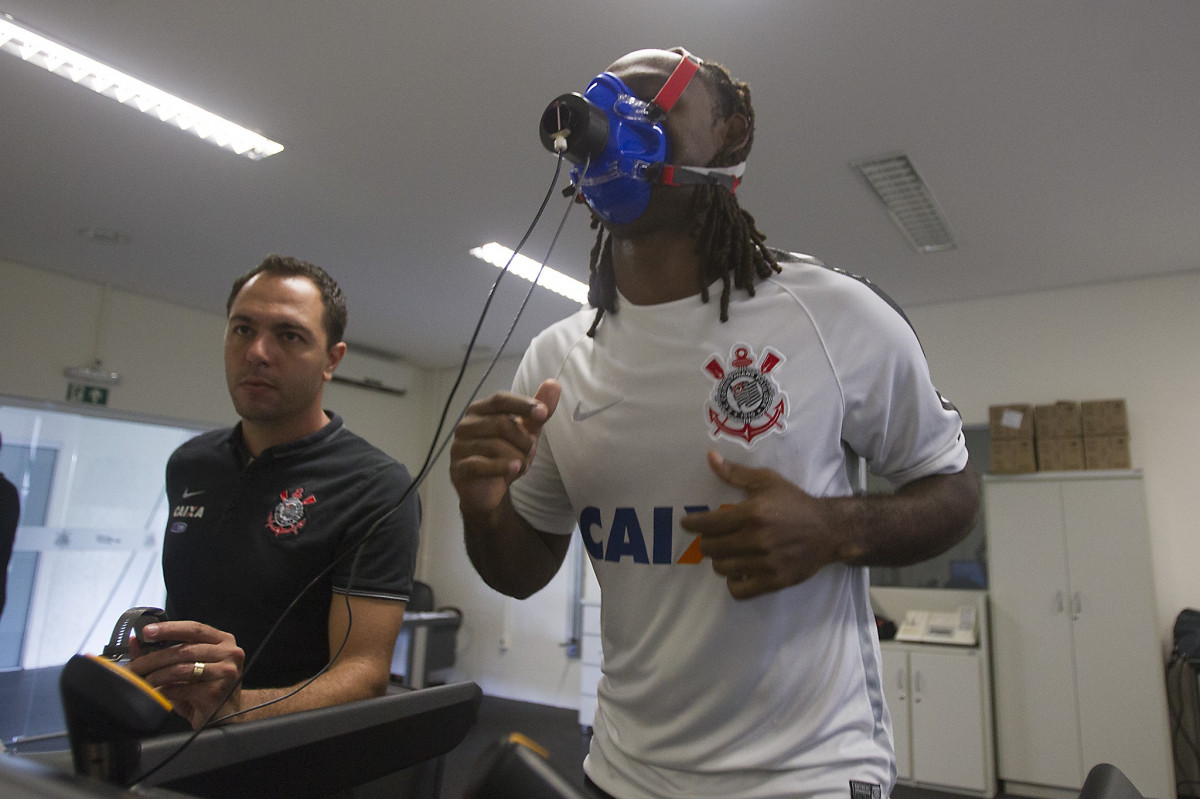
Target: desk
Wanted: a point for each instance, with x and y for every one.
(425, 643)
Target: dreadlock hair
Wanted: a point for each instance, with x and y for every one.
(727, 238)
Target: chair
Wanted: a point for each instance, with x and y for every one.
(420, 599)
(427, 643)
(1106, 781)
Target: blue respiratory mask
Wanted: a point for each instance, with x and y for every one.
(619, 146)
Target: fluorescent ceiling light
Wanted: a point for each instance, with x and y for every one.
(102, 79)
(498, 255)
(909, 201)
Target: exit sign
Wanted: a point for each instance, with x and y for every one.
(88, 395)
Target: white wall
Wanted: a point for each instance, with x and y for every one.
(170, 359)
(1136, 340)
(512, 648)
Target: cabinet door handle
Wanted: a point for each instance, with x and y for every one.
(916, 686)
(1058, 602)
(900, 687)
(1076, 606)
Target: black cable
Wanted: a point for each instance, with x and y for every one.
(479, 324)
(431, 456)
(512, 327)
(116, 585)
(210, 720)
(306, 683)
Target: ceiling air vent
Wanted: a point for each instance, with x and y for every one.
(908, 200)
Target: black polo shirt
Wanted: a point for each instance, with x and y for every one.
(247, 535)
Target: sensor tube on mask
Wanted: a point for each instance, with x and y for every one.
(619, 145)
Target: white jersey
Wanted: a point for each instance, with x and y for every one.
(703, 695)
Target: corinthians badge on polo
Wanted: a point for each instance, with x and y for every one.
(747, 402)
(288, 518)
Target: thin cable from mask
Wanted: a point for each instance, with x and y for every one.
(434, 456)
(429, 461)
(421, 475)
(299, 688)
(434, 452)
(508, 335)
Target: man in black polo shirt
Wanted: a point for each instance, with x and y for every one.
(276, 508)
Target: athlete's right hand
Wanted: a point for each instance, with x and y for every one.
(494, 444)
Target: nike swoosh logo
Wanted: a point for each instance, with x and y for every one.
(189, 494)
(580, 414)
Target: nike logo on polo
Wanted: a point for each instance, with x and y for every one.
(580, 414)
(189, 494)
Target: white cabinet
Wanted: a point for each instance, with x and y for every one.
(947, 720)
(939, 698)
(1079, 675)
(935, 697)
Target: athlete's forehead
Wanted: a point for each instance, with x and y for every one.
(645, 71)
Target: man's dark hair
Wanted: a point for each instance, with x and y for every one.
(335, 315)
(727, 237)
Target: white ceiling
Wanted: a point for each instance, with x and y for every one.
(1059, 137)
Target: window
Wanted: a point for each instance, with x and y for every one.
(89, 543)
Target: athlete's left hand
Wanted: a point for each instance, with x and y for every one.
(777, 537)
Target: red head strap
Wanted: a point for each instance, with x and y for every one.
(680, 78)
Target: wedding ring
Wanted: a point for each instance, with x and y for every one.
(197, 671)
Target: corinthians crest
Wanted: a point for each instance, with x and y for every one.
(288, 517)
(747, 401)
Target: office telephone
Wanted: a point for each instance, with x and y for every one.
(933, 627)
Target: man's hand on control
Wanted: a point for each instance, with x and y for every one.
(198, 673)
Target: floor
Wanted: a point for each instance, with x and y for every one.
(29, 705)
(555, 729)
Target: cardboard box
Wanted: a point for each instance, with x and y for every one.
(1012, 456)
(1057, 420)
(1104, 417)
(1010, 421)
(1107, 452)
(1059, 454)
